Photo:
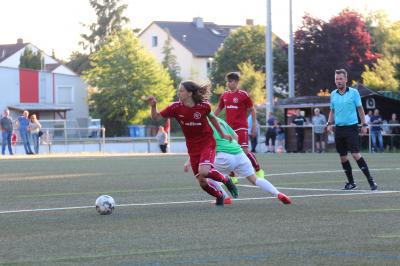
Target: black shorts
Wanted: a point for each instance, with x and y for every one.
(270, 135)
(319, 137)
(347, 139)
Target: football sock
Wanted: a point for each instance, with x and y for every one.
(347, 170)
(364, 168)
(212, 190)
(253, 161)
(266, 186)
(217, 176)
(218, 186)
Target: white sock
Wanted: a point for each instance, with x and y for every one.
(218, 186)
(266, 186)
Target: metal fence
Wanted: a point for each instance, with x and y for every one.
(60, 139)
(390, 138)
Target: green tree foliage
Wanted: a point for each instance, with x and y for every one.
(170, 62)
(381, 76)
(252, 81)
(247, 44)
(124, 75)
(321, 47)
(110, 20)
(31, 60)
(386, 35)
(78, 62)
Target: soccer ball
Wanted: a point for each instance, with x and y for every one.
(105, 204)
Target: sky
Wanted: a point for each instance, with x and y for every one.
(57, 24)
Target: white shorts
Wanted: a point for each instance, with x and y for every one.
(238, 163)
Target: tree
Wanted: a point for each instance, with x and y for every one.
(321, 47)
(252, 81)
(386, 36)
(125, 75)
(381, 76)
(247, 44)
(110, 20)
(170, 62)
(79, 62)
(31, 60)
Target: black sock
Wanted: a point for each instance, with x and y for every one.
(364, 168)
(347, 170)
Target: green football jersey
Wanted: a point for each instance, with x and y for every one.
(223, 145)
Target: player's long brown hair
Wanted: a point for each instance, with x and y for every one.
(200, 92)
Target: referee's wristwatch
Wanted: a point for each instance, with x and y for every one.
(328, 124)
(364, 125)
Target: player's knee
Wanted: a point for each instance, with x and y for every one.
(252, 179)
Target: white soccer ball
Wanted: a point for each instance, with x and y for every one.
(105, 204)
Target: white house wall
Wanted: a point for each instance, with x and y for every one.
(191, 67)
(10, 92)
(80, 101)
(9, 87)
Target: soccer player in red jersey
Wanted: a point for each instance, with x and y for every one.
(237, 104)
(191, 112)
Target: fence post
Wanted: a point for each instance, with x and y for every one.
(313, 139)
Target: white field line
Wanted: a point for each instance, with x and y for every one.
(192, 202)
(318, 189)
(330, 171)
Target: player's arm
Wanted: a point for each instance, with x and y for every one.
(361, 114)
(232, 132)
(217, 127)
(254, 123)
(330, 120)
(155, 115)
(218, 110)
(186, 165)
(220, 106)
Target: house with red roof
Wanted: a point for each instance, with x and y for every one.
(52, 93)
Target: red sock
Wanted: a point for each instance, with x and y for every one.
(217, 176)
(212, 191)
(253, 161)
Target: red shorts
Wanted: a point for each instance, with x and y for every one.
(243, 137)
(206, 156)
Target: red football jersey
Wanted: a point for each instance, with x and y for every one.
(236, 104)
(194, 124)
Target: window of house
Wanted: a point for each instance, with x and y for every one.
(154, 41)
(65, 95)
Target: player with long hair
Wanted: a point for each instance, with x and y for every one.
(191, 112)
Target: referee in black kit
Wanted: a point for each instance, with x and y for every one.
(345, 104)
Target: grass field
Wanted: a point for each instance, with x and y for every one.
(162, 216)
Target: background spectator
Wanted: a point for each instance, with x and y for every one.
(270, 135)
(162, 138)
(253, 140)
(6, 125)
(34, 128)
(319, 121)
(376, 131)
(23, 127)
(299, 121)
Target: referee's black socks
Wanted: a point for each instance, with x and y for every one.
(364, 168)
(347, 170)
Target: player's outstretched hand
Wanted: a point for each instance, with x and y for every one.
(228, 137)
(151, 100)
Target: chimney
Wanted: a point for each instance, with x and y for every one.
(198, 22)
(249, 22)
(20, 41)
